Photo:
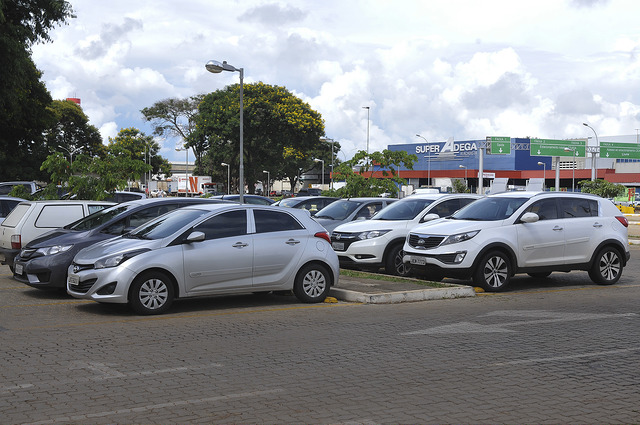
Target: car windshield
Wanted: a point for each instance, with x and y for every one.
(406, 209)
(490, 209)
(338, 210)
(289, 202)
(97, 218)
(167, 224)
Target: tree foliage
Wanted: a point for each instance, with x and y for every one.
(282, 134)
(359, 173)
(602, 188)
(23, 96)
(132, 144)
(460, 186)
(71, 131)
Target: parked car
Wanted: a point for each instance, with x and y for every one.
(31, 219)
(124, 196)
(313, 204)
(7, 187)
(7, 204)
(247, 198)
(44, 261)
(350, 209)
(523, 232)
(207, 250)
(309, 192)
(378, 242)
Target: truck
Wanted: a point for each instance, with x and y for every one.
(193, 185)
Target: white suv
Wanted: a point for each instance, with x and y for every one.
(523, 232)
(378, 242)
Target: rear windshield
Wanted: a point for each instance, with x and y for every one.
(15, 215)
(289, 202)
(406, 209)
(98, 218)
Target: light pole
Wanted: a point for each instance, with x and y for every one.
(429, 162)
(320, 160)
(216, 68)
(544, 174)
(593, 155)
(186, 169)
(224, 164)
(573, 179)
(465, 174)
(71, 153)
(368, 108)
(268, 181)
(331, 184)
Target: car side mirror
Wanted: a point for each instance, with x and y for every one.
(529, 217)
(430, 217)
(195, 237)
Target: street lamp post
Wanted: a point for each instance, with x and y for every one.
(573, 179)
(216, 68)
(593, 154)
(465, 174)
(429, 161)
(544, 174)
(186, 170)
(71, 152)
(368, 108)
(268, 181)
(320, 160)
(224, 164)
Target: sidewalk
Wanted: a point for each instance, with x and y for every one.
(371, 291)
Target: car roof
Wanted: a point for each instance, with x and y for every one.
(304, 198)
(366, 199)
(530, 194)
(66, 202)
(436, 196)
(10, 198)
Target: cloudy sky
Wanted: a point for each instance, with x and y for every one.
(465, 69)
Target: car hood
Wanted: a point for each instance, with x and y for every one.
(60, 237)
(114, 246)
(448, 227)
(367, 225)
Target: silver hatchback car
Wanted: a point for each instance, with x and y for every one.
(208, 250)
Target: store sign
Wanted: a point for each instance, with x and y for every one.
(451, 147)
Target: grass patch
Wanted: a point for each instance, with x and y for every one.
(388, 278)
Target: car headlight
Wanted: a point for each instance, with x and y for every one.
(460, 237)
(117, 259)
(370, 234)
(50, 250)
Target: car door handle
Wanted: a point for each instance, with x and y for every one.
(240, 245)
(596, 224)
(292, 242)
(557, 228)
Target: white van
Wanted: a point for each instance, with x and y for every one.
(30, 219)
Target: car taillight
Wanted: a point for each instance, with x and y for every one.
(16, 242)
(622, 219)
(323, 235)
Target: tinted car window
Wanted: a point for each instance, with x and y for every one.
(7, 206)
(140, 217)
(274, 221)
(546, 209)
(578, 207)
(407, 209)
(98, 218)
(232, 223)
(167, 224)
(369, 210)
(446, 208)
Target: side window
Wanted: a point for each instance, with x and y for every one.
(446, 208)
(232, 223)
(312, 206)
(116, 228)
(466, 201)
(274, 221)
(141, 217)
(59, 215)
(369, 210)
(95, 208)
(578, 207)
(546, 209)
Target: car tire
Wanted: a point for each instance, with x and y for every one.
(312, 283)
(540, 275)
(393, 263)
(493, 272)
(151, 293)
(607, 266)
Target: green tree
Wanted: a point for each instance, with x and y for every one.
(281, 132)
(460, 186)
(23, 96)
(71, 131)
(132, 144)
(364, 181)
(602, 188)
(177, 118)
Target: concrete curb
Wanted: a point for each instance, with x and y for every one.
(454, 291)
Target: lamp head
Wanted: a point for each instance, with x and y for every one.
(541, 163)
(224, 164)
(214, 66)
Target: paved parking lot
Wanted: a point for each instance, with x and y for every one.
(558, 350)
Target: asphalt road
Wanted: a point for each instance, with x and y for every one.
(556, 350)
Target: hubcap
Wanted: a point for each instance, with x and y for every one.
(609, 265)
(495, 272)
(153, 294)
(314, 283)
(401, 269)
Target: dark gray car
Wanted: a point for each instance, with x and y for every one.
(44, 261)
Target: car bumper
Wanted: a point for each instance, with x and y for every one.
(8, 255)
(366, 253)
(450, 263)
(43, 272)
(110, 285)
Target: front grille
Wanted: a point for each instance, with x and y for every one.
(83, 287)
(343, 238)
(27, 253)
(424, 241)
(80, 267)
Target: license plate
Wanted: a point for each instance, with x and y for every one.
(18, 269)
(338, 246)
(73, 279)
(419, 261)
